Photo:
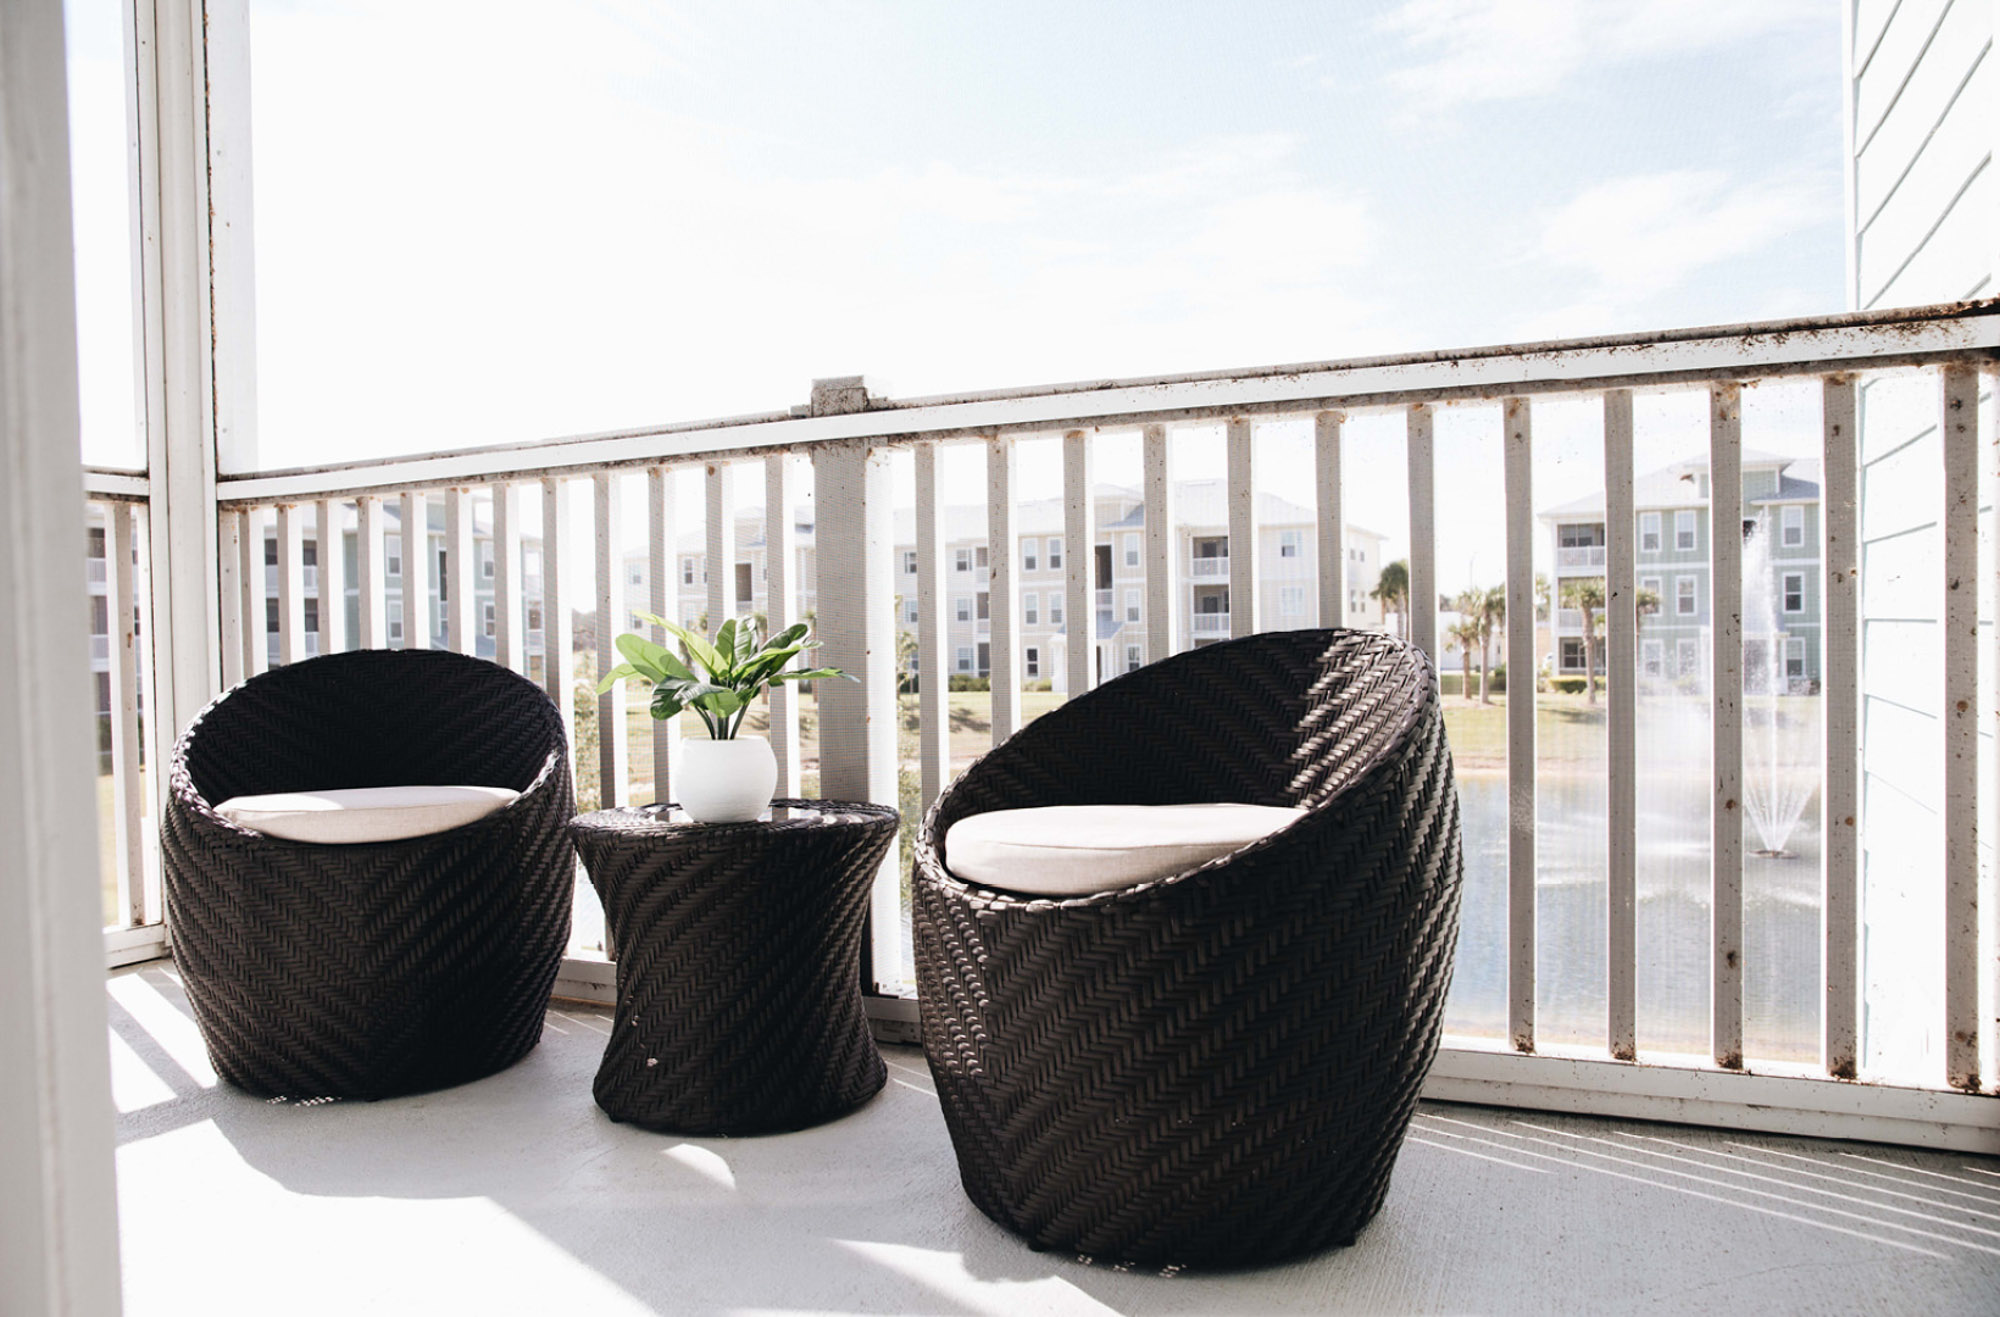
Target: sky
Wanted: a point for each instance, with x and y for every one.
(504, 222)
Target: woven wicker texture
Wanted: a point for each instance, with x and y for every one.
(1216, 1068)
(739, 984)
(383, 968)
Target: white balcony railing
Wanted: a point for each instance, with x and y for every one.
(1578, 556)
(1755, 1006)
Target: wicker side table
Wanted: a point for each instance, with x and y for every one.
(739, 990)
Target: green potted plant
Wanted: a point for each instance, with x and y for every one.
(727, 778)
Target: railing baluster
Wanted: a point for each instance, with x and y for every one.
(1989, 890)
(1162, 587)
(1079, 562)
(229, 536)
(781, 608)
(934, 722)
(291, 584)
(1959, 519)
(329, 546)
(1423, 544)
(1003, 588)
(1725, 574)
(128, 795)
(509, 643)
(455, 581)
(371, 585)
(1243, 547)
(857, 729)
(1621, 699)
(614, 787)
(721, 545)
(1332, 520)
(1519, 481)
(416, 542)
(558, 657)
(251, 578)
(662, 563)
(1840, 800)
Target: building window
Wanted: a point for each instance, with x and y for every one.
(1795, 592)
(392, 552)
(312, 614)
(1031, 661)
(687, 571)
(488, 611)
(395, 619)
(637, 575)
(962, 607)
(1572, 654)
(1650, 583)
(535, 617)
(1653, 659)
(531, 563)
(1684, 596)
(1353, 600)
(1029, 550)
(271, 551)
(1688, 655)
(961, 560)
(1795, 656)
(486, 559)
(1133, 658)
(1684, 531)
(979, 557)
(984, 604)
(1793, 521)
(1649, 532)
(270, 613)
(1291, 543)
(909, 610)
(909, 562)
(745, 590)
(964, 662)
(1132, 604)
(95, 540)
(1055, 556)
(1055, 609)
(1292, 600)
(1031, 608)
(1131, 550)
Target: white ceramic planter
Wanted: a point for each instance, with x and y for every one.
(726, 781)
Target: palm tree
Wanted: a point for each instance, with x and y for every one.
(1586, 595)
(1466, 632)
(1392, 591)
(1489, 607)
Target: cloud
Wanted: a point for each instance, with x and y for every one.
(1465, 52)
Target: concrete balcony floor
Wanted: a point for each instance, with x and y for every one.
(516, 1195)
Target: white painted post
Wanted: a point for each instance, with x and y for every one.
(1621, 701)
(229, 581)
(456, 583)
(416, 538)
(613, 737)
(558, 654)
(1959, 518)
(121, 589)
(1003, 588)
(1162, 543)
(934, 719)
(1989, 890)
(857, 719)
(1840, 798)
(1079, 562)
(1423, 544)
(721, 545)
(661, 562)
(1243, 547)
(1518, 466)
(58, 1206)
(253, 578)
(781, 608)
(509, 647)
(371, 585)
(1332, 521)
(331, 548)
(291, 585)
(1725, 574)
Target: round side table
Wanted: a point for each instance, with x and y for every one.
(739, 983)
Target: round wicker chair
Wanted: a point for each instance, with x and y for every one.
(372, 969)
(1214, 1068)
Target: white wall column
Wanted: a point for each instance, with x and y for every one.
(58, 1217)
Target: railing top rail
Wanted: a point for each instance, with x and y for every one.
(1819, 345)
(110, 483)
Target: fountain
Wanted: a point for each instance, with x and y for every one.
(1780, 743)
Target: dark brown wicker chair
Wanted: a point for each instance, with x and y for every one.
(373, 969)
(1215, 1068)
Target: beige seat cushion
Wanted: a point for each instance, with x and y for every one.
(364, 813)
(1074, 850)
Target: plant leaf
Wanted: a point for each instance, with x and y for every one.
(616, 674)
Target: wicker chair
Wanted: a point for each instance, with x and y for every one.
(1215, 1068)
(372, 969)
